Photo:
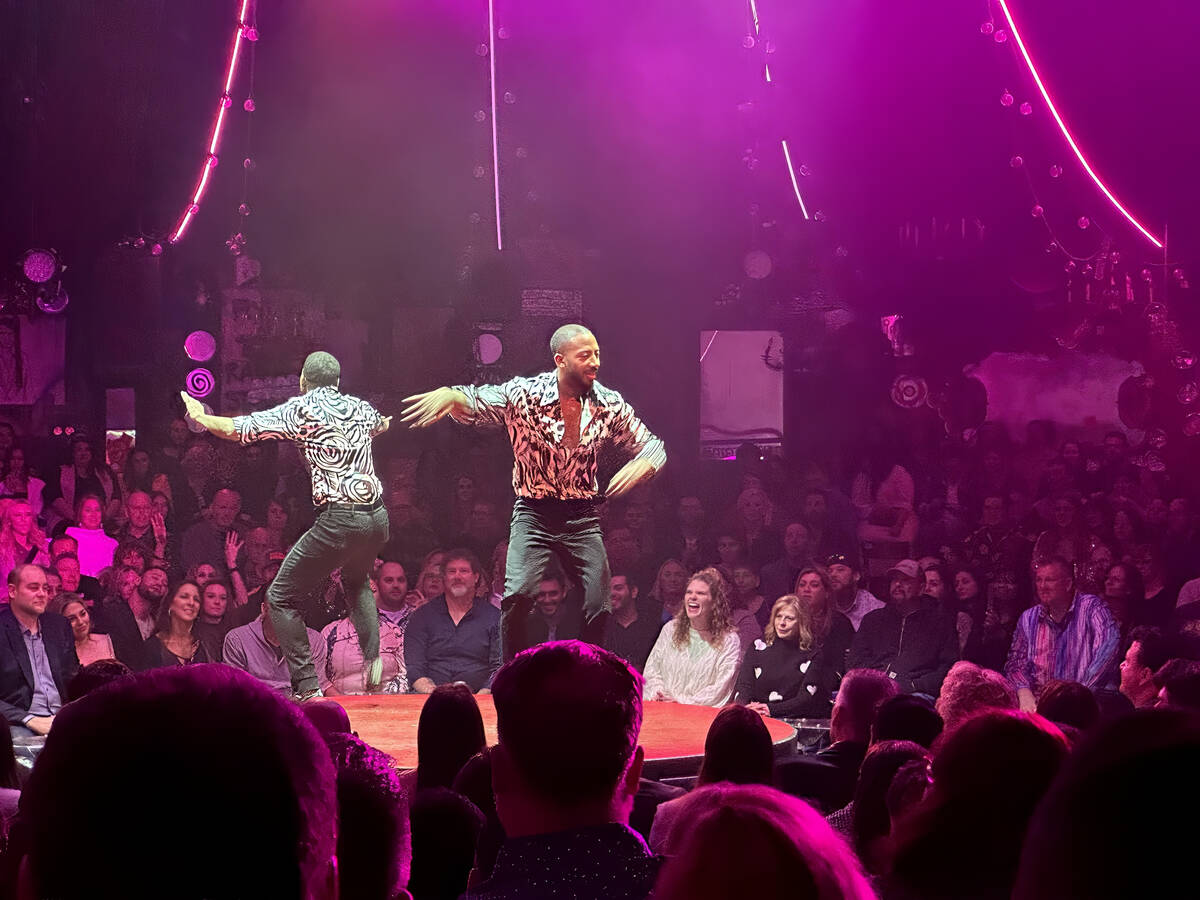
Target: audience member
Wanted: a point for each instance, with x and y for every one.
(445, 828)
(695, 659)
(345, 669)
(1148, 652)
(1178, 682)
(753, 841)
(175, 641)
(852, 601)
(144, 527)
(95, 675)
(969, 689)
(215, 619)
(96, 548)
(555, 616)
(82, 476)
(455, 636)
(40, 659)
(20, 483)
(565, 773)
(205, 541)
(1069, 703)
(865, 820)
(737, 749)
(257, 773)
(990, 638)
(1066, 637)
(690, 544)
(630, 631)
(778, 577)
(908, 640)
(255, 649)
(665, 599)
(449, 732)
(907, 717)
(89, 647)
(21, 541)
(749, 611)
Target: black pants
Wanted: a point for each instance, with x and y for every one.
(542, 531)
(339, 537)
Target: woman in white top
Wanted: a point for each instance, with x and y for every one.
(95, 547)
(88, 647)
(696, 657)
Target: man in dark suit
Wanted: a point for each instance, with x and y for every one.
(37, 655)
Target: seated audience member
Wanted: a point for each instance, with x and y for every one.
(205, 542)
(266, 786)
(345, 670)
(474, 781)
(175, 642)
(21, 541)
(753, 841)
(788, 673)
(445, 828)
(1065, 637)
(373, 847)
(865, 820)
(122, 585)
(688, 541)
(1109, 826)
(906, 717)
(216, 618)
(969, 604)
(988, 776)
(760, 542)
(565, 772)
(255, 650)
(1070, 704)
(1148, 652)
(630, 632)
(990, 637)
(695, 659)
(969, 689)
(737, 749)
(665, 598)
(1157, 602)
(936, 585)
(21, 484)
(554, 617)
(449, 732)
(749, 611)
(96, 675)
(849, 599)
(909, 640)
(40, 658)
(89, 647)
(131, 556)
(1179, 685)
(827, 779)
(778, 577)
(202, 573)
(144, 527)
(95, 547)
(66, 564)
(247, 613)
(131, 623)
(455, 636)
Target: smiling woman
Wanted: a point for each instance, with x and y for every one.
(175, 641)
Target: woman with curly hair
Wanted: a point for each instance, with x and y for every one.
(695, 659)
(21, 541)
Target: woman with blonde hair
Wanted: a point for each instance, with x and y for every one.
(696, 656)
(666, 596)
(21, 541)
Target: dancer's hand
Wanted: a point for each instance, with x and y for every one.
(425, 409)
(628, 477)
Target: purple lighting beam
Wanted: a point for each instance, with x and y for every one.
(1012, 27)
(495, 124)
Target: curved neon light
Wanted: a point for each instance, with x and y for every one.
(224, 103)
(1012, 26)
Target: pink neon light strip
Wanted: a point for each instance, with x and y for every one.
(218, 125)
(1012, 26)
(754, 17)
(795, 185)
(495, 123)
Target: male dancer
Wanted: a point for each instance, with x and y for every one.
(557, 422)
(334, 431)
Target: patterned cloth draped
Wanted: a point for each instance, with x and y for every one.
(334, 431)
(543, 467)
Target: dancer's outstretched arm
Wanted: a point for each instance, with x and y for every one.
(221, 426)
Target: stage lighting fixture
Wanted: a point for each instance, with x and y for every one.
(200, 346)
(488, 349)
(39, 266)
(53, 300)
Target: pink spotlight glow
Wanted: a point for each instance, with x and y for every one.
(1012, 26)
(495, 124)
(795, 184)
(218, 125)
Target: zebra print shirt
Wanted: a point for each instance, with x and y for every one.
(334, 431)
(542, 467)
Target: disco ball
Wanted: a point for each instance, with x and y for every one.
(39, 266)
(200, 346)
(53, 302)
(1191, 425)
(757, 264)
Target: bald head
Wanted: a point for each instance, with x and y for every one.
(564, 335)
(320, 369)
(576, 357)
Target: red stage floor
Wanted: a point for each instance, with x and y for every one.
(672, 734)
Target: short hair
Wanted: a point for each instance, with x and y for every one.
(266, 786)
(1069, 703)
(861, 692)
(18, 572)
(95, 675)
(969, 688)
(556, 575)
(458, 554)
(883, 760)
(1056, 560)
(373, 848)
(445, 828)
(783, 847)
(738, 749)
(1155, 649)
(321, 369)
(1180, 678)
(568, 715)
(449, 732)
(907, 718)
(629, 576)
(564, 335)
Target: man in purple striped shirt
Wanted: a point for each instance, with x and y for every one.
(1065, 637)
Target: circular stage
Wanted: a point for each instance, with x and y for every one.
(672, 734)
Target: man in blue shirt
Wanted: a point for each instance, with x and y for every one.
(455, 636)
